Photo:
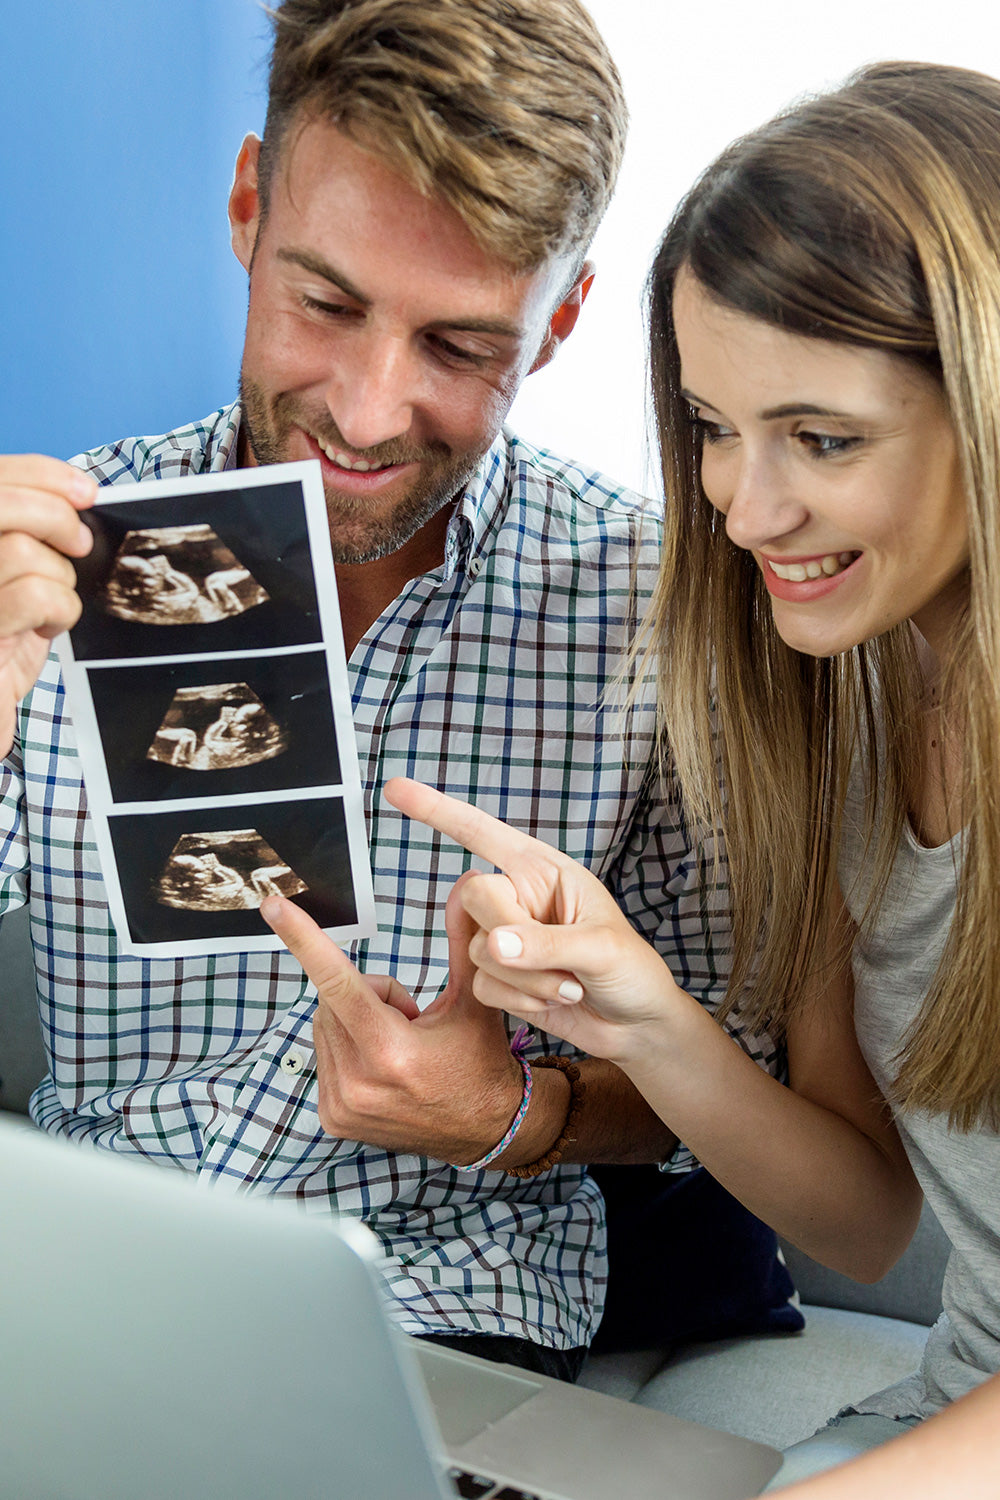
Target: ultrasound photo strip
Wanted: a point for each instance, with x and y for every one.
(208, 686)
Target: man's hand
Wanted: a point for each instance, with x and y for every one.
(440, 1083)
(40, 531)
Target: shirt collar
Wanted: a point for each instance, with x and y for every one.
(480, 510)
(233, 451)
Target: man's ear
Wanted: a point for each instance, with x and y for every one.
(244, 202)
(563, 320)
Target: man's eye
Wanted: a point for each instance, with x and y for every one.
(455, 352)
(331, 309)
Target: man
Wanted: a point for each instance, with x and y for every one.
(414, 226)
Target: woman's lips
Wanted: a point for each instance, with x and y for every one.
(803, 579)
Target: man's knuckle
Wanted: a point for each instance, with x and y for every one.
(327, 1103)
(18, 551)
(332, 982)
(359, 1098)
(331, 1123)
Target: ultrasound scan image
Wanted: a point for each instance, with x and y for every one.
(178, 575)
(230, 871)
(216, 728)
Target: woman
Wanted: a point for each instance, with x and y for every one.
(825, 319)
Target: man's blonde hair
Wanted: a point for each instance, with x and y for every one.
(509, 111)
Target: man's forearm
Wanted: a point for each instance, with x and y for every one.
(615, 1123)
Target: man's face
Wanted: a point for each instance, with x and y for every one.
(381, 339)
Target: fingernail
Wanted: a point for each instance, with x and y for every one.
(509, 943)
(84, 537)
(270, 908)
(570, 990)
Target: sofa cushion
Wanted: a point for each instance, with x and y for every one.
(623, 1374)
(686, 1261)
(779, 1390)
(22, 1055)
(910, 1290)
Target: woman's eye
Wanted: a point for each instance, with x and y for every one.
(825, 444)
(709, 432)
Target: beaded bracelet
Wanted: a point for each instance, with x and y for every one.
(517, 1047)
(577, 1090)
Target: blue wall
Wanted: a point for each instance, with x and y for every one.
(121, 303)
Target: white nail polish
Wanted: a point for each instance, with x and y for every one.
(509, 943)
(570, 990)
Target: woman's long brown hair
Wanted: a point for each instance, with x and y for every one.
(868, 216)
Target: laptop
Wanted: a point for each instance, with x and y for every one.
(164, 1340)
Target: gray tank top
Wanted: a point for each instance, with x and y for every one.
(893, 968)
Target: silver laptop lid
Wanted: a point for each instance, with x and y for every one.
(163, 1341)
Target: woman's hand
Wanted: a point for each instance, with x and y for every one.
(552, 946)
(819, 1161)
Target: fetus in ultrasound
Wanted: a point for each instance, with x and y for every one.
(178, 575)
(229, 871)
(215, 728)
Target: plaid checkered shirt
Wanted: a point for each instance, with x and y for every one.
(489, 678)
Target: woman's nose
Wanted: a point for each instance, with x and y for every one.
(757, 501)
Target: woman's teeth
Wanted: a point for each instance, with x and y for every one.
(799, 572)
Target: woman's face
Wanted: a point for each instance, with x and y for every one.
(836, 466)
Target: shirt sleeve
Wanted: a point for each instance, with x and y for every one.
(13, 833)
(674, 894)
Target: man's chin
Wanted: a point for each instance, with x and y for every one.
(362, 540)
(368, 551)
(358, 534)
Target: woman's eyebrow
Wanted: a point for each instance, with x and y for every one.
(773, 413)
(801, 409)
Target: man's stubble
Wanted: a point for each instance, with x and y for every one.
(357, 533)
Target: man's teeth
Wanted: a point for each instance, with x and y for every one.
(834, 562)
(345, 461)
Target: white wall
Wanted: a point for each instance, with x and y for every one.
(696, 75)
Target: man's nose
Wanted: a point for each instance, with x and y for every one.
(372, 392)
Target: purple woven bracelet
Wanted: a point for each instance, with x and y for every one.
(517, 1047)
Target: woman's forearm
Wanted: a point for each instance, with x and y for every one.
(849, 1200)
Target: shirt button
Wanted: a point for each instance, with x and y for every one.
(475, 567)
(292, 1062)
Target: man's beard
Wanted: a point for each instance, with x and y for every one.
(358, 536)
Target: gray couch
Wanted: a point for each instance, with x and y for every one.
(774, 1387)
(779, 1388)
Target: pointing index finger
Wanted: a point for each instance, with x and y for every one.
(345, 992)
(474, 830)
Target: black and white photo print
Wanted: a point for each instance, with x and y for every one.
(207, 683)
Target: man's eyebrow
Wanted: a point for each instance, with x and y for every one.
(773, 413)
(317, 266)
(497, 326)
